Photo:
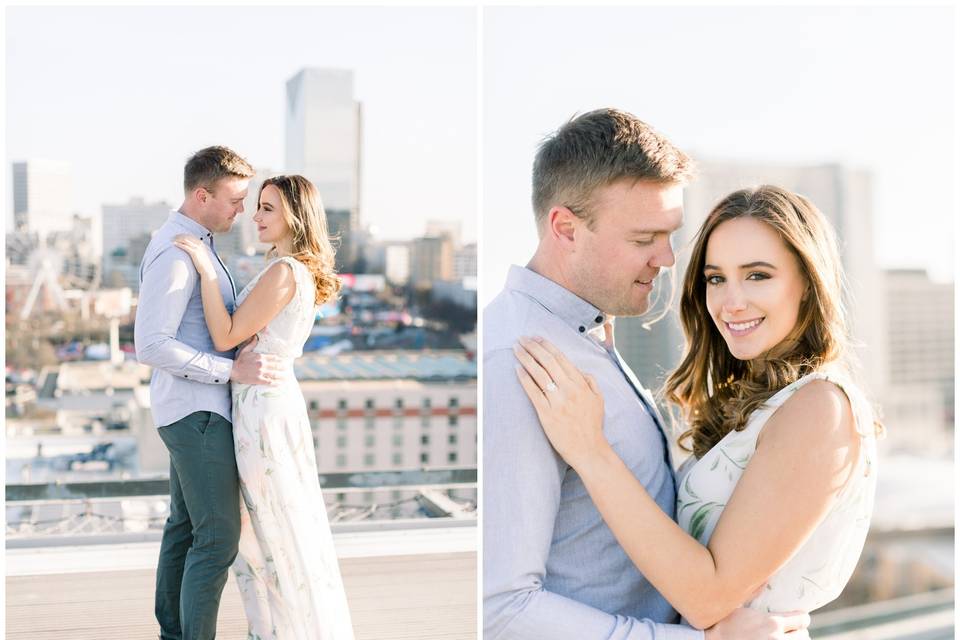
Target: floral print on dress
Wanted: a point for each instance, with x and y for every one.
(286, 568)
(820, 569)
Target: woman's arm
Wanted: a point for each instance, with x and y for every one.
(272, 292)
(806, 453)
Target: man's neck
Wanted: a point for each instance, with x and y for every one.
(194, 215)
(555, 270)
(558, 271)
(541, 264)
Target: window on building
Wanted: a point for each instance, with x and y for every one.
(341, 461)
(342, 404)
(369, 441)
(368, 459)
(452, 456)
(398, 458)
(424, 458)
(368, 403)
(426, 403)
(454, 401)
(368, 422)
(341, 442)
(341, 424)
(398, 403)
(425, 422)
(314, 405)
(424, 439)
(398, 422)
(452, 439)
(398, 440)
(452, 420)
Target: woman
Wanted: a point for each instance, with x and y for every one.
(774, 505)
(286, 567)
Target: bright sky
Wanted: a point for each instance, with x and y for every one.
(126, 94)
(872, 88)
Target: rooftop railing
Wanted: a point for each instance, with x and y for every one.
(105, 511)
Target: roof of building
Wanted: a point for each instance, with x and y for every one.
(385, 365)
(87, 375)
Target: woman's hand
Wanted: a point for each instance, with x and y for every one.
(568, 402)
(198, 252)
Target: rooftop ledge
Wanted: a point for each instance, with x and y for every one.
(405, 580)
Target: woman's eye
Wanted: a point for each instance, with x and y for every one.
(714, 279)
(758, 275)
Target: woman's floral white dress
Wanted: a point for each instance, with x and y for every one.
(286, 568)
(819, 570)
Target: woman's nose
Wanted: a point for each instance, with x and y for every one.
(734, 299)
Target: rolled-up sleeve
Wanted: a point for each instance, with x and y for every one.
(522, 477)
(166, 285)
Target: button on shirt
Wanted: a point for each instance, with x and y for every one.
(552, 567)
(170, 332)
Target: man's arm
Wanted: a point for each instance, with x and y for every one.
(521, 495)
(165, 289)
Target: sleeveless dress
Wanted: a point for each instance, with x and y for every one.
(286, 568)
(821, 567)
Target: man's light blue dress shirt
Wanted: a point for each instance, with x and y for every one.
(171, 334)
(552, 569)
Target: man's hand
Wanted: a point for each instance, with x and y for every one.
(256, 368)
(747, 624)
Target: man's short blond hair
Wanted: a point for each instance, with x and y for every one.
(206, 166)
(596, 149)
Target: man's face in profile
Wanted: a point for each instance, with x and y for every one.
(224, 202)
(614, 264)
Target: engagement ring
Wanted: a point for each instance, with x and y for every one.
(550, 387)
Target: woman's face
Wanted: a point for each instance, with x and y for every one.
(754, 286)
(271, 227)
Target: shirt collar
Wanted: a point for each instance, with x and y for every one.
(582, 316)
(192, 226)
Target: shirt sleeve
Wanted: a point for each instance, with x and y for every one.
(165, 289)
(522, 476)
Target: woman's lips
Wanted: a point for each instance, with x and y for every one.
(740, 329)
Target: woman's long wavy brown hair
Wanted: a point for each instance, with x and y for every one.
(716, 392)
(303, 212)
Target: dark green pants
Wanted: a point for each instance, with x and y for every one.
(200, 537)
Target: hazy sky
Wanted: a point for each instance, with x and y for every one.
(872, 88)
(126, 94)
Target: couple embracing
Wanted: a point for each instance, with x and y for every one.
(244, 490)
(590, 530)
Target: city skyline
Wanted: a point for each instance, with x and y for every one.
(865, 88)
(130, 139)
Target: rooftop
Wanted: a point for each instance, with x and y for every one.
(402, 583)
(380, 365)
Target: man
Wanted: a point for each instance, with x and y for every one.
(190, 397)
(607, 195)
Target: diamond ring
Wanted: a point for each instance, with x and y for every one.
(550, 387)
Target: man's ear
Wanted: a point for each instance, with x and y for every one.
(200, 195)
(563, 225)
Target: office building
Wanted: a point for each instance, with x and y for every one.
(465, 261)
(919, 316)
(431, 258)
(127, 229)
(324, 129)
(42, 196)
